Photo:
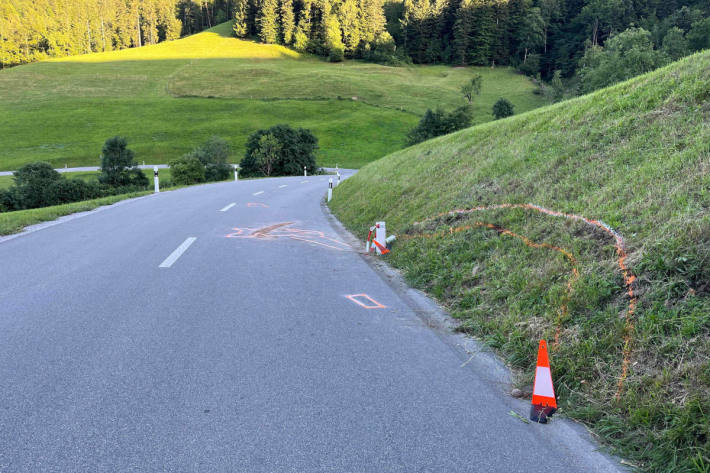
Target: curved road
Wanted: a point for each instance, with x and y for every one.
(240, 353)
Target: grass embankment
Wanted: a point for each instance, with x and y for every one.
(168, 98)
(636, 156)
(14, 222)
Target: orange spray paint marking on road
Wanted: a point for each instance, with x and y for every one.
(620, 246)
(372, 305)
(284, 230)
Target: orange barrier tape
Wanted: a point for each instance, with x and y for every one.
(619, 245)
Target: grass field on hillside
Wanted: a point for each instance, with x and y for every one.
(633, 355)
(167, 98)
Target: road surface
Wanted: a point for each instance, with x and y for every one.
(209, 329)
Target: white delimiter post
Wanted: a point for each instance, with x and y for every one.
(155, 179)
(380, 235)
(305, 174)
(338, 181)
(236, 172)
(330, 189)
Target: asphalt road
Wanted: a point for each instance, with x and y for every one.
(243, 353)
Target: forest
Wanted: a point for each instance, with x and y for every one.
(32, 30)
(549, 38)
(535, 36)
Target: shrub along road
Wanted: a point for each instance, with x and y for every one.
(180, 332)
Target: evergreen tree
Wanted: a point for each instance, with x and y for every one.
(530, 34)
(372, 20)
(287, 21)
(267, 21)
(351, 22)
(333, 38)
(462, 32)
(241, 28)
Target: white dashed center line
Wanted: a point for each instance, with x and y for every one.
(228, 207)
(257, 193)
(177, 253)
(280, 187)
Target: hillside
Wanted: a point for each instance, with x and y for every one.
(627, 308)
(168, 97)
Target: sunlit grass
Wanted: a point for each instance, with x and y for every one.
(167, 98)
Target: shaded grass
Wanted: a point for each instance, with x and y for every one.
(169, 97)
(636, 156)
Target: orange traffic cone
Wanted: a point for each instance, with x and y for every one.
(543, 398)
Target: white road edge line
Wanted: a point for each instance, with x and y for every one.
(228, 207)
(257, 193)
(281, 186)
(303, 182)
(177, 253)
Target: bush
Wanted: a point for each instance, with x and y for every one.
(213, 151)
(218, 172)
(213, 155)
(31, 184)
(9, 200)
(336, 54)
(118, 167)
(623, 56)
(383, 49)
(297, 149)
(38, 185)
(187, 170)
(64, 191)
(436, 123)
(502, 108)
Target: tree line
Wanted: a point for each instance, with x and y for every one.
(539, 36)
(554, 39)
(332, 28)
(32, 30)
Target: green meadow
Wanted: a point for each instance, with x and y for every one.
(167, 98)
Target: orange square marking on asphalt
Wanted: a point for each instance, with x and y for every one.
(372, 304)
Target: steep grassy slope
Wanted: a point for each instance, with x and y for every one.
(632, 356)
(167, 98)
